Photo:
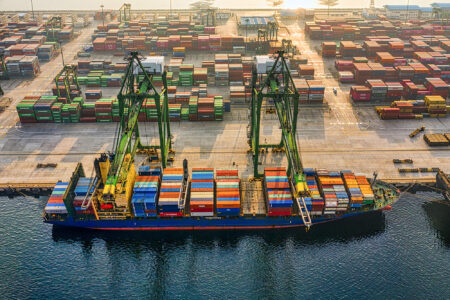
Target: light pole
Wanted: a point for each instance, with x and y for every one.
(32, 10)
(103, 17)
(62, 55)
(246, 33)
(407, 12)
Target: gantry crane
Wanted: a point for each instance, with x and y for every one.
(50, 26)
(125, 13)
(113, 175)
(67, 77)
(262, 41)
(3, 68)
(120, 175)
(279, 86)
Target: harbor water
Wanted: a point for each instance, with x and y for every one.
(402, 253)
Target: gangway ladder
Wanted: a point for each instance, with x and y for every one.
(304, 213)
(88, 199)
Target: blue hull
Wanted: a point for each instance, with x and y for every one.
(189, 223)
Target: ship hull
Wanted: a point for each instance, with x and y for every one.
(190, 224)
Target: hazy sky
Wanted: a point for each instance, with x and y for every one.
(147, 4)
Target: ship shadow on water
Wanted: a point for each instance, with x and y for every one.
(438, 213)
(344, 230)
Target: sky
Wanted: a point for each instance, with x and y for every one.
(180, 4)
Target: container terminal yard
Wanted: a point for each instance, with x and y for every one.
(231, 84)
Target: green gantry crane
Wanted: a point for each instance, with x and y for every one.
(51, 25)
(125, 13)
(3, 68)
(262, 41)
(132, 95)
(279, 86)
(67, 77)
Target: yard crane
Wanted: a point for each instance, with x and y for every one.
(279, 86)
(3, 68)
(125, 13)
(50, 26)
(67, 77)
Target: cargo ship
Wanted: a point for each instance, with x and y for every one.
(117, 197)
(216, 200)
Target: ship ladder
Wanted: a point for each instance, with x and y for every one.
(88, 198)
(304, 213)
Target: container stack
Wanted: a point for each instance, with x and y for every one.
(222, 74)
(279, 198)
(394, 91)
(13, 66)
(436, 106)
(56, 112)
(351, 184)
(150, 110)
(303, 90)
(193, 108)
(103, 110)
(200, 76)
(437, 87)
(29, 66)
(327, 182)
(186, 75)
(170, 196)
(55, 204)
(378, 89)
(317, 202)
(81, 191)
(74, 112)
(328, 49)
(202, 192)
(228, 201)
(45, 52)
(179, 52)
(339, 189)
(145, 196)
(366, 190)
(42, 109)
(237, 94)
(346, 77)
(25, 109)
(205, 109)
(218, 108)
(236, 75)
(93, 94)
(306, 71)
(175, 112)
(316, 91)
(88, 113)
